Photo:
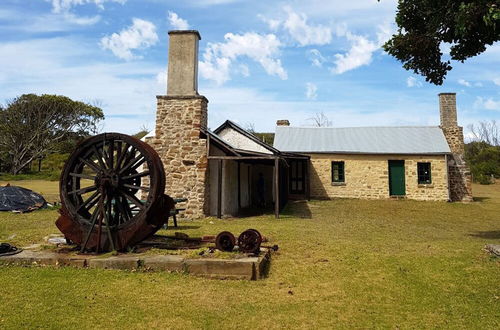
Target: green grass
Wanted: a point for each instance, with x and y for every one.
(341, 264)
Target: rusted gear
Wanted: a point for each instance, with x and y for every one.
(249, 241)
(100, 210)
(225, 241)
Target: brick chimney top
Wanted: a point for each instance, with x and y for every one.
(283, 122)
(448, 109)
(183, 63)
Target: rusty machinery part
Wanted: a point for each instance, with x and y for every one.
(112, 193)
(249, 241)
(225, 241)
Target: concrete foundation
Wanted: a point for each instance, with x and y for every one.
(246, 268)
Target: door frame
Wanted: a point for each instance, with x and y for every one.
(292, 178)
(401, 161)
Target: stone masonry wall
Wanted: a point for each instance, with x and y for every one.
(367, 176)
(183, 151)
(459, 173)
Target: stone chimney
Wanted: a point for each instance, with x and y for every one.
(448, 109)
(181, 120)
(459, 178)
(283, 122)
(183, 63)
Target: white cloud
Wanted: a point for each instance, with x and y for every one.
(413, 82)
(176, 22)
(362, 49)
(478, 84)
(162, 77)
(358, 55)
(316, 58)
(311, 91)
(496, 81)
(464, 82)
(141, 34)
(245, 71)
(61, 6)
(306, 34)
(263, 49)
(273, 24)
(487, 103)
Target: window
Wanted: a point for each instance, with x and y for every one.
(424, 173)
(338, 172)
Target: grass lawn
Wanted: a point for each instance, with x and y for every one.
(341, 264)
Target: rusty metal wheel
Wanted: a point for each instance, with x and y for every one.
(225, 241)
(249, 241)
(105, 206)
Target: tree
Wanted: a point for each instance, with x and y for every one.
(31, 124)
(426, 25)
(486, 131)
(320, 120)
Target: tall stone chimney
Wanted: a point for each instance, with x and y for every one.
(183, 63)
(282, 122)
(459, 178)
(181, 119)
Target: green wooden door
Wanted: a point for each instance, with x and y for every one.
(397, 178)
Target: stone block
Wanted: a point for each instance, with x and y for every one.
(118, 262)
(171, 263)
(225, 269)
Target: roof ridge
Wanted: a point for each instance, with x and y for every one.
(312, 127)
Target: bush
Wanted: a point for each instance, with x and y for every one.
(484, 161)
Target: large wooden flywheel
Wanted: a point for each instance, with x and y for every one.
(112, 193)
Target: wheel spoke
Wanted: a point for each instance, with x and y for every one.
(129, 155)
(131, 186)
(111, 152)
(93, 220)
(83, 190)
(83, 176)
(133, 164)
(90, 202)
(133, 199)
(99, 157)
(90, 164)
(136, 175)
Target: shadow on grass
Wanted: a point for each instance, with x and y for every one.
(181, 227)
(298, 209)
(494, 234)
(481, 199)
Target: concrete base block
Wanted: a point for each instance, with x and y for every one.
(118, 262)
(169, 263)
(249, 268)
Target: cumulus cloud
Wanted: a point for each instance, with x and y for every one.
(263, 49)
(176, 22)
(361, 49)
(487, 103)
(413, 82)
(141, 34)
(302, 32)
(311, 91)
(61, 6)
(273, 24)
(316, 58)
(464, 82)
(496, 81)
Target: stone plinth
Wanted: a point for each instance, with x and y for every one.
(245, 268)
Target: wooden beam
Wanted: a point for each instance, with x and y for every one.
(276, 188)
(308, 181)
(219, 191)
(239, 186)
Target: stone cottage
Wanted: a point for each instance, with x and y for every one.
(228, 170)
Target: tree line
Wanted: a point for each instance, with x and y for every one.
(33, 127)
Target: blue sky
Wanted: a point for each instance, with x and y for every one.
(259, 61)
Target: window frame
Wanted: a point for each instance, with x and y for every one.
(341, 171)
(423, 175)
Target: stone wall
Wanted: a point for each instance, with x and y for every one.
(460, 179)
(183, 150)
(367, 176)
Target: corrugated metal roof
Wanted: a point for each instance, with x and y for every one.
(366, 140)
